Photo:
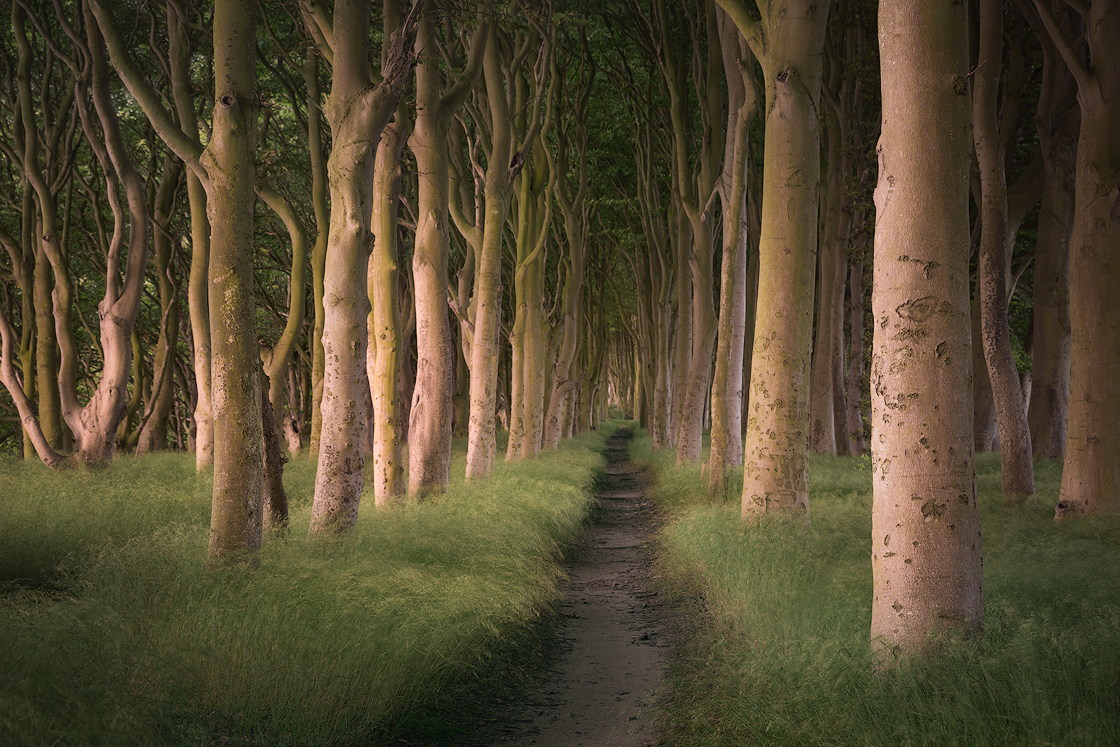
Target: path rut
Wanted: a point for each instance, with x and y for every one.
(600, 676)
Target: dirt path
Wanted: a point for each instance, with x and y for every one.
(600, 672)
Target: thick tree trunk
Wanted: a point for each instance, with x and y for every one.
(1016, 465)
(775, 451)
(237, 513)
(429, 449)
(926, 555)
(1090, 477)
(527, 336)
(357, 112)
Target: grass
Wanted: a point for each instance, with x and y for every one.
(117, 632)
(782, 656)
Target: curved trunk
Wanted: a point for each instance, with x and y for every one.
(278, 359)
(197, 291)
(357, 112)
(1090, 476)
(385, 356)
(488, 276)
(1016, 465)
(153, 433)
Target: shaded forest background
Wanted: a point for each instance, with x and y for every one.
(612, 267)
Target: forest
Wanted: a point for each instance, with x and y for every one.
(284, 278)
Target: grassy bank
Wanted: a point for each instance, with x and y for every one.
(117, 632)
(783, 656)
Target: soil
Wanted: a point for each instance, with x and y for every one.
(592, 675)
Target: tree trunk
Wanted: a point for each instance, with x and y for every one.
(237, 513)
(198, 304)
(481, 434)
(823, 392)
(385, 356)
(984, 405)
(153, 434)
(1058, 121)
(775, 452)
(274, 500)
(697, 384)
(1090, 478)
(429, 450)
(1016, 465)
(357, 112)
(278, 359)
(926, 555)
(319, 201)
(855, 360)
(727, 384)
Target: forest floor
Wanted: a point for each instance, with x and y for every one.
(592, 675)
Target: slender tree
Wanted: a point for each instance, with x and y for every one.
(503, 165)
(429, 452)
(727, 381)
(1057, 120)
(1017, 468)
(385, 356)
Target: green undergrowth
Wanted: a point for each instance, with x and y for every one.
(782, 656)
(115, 630)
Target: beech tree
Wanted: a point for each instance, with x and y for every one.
(1017, 469)
(727, 381)
(1090, 479)
(385, 354)
(357, 110)
(788, 41)
(503, 163)
(926, 551)
(429, 452)
(572, 135)
(225, 167)
(1057, 120)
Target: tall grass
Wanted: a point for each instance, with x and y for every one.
(782, 656)
(117, 632)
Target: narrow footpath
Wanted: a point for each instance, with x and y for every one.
(599, 681)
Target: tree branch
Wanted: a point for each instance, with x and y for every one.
(188, 149)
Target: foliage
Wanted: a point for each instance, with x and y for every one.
(116, 631)
(782, 654)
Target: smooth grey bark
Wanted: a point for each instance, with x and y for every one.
(926, 548)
